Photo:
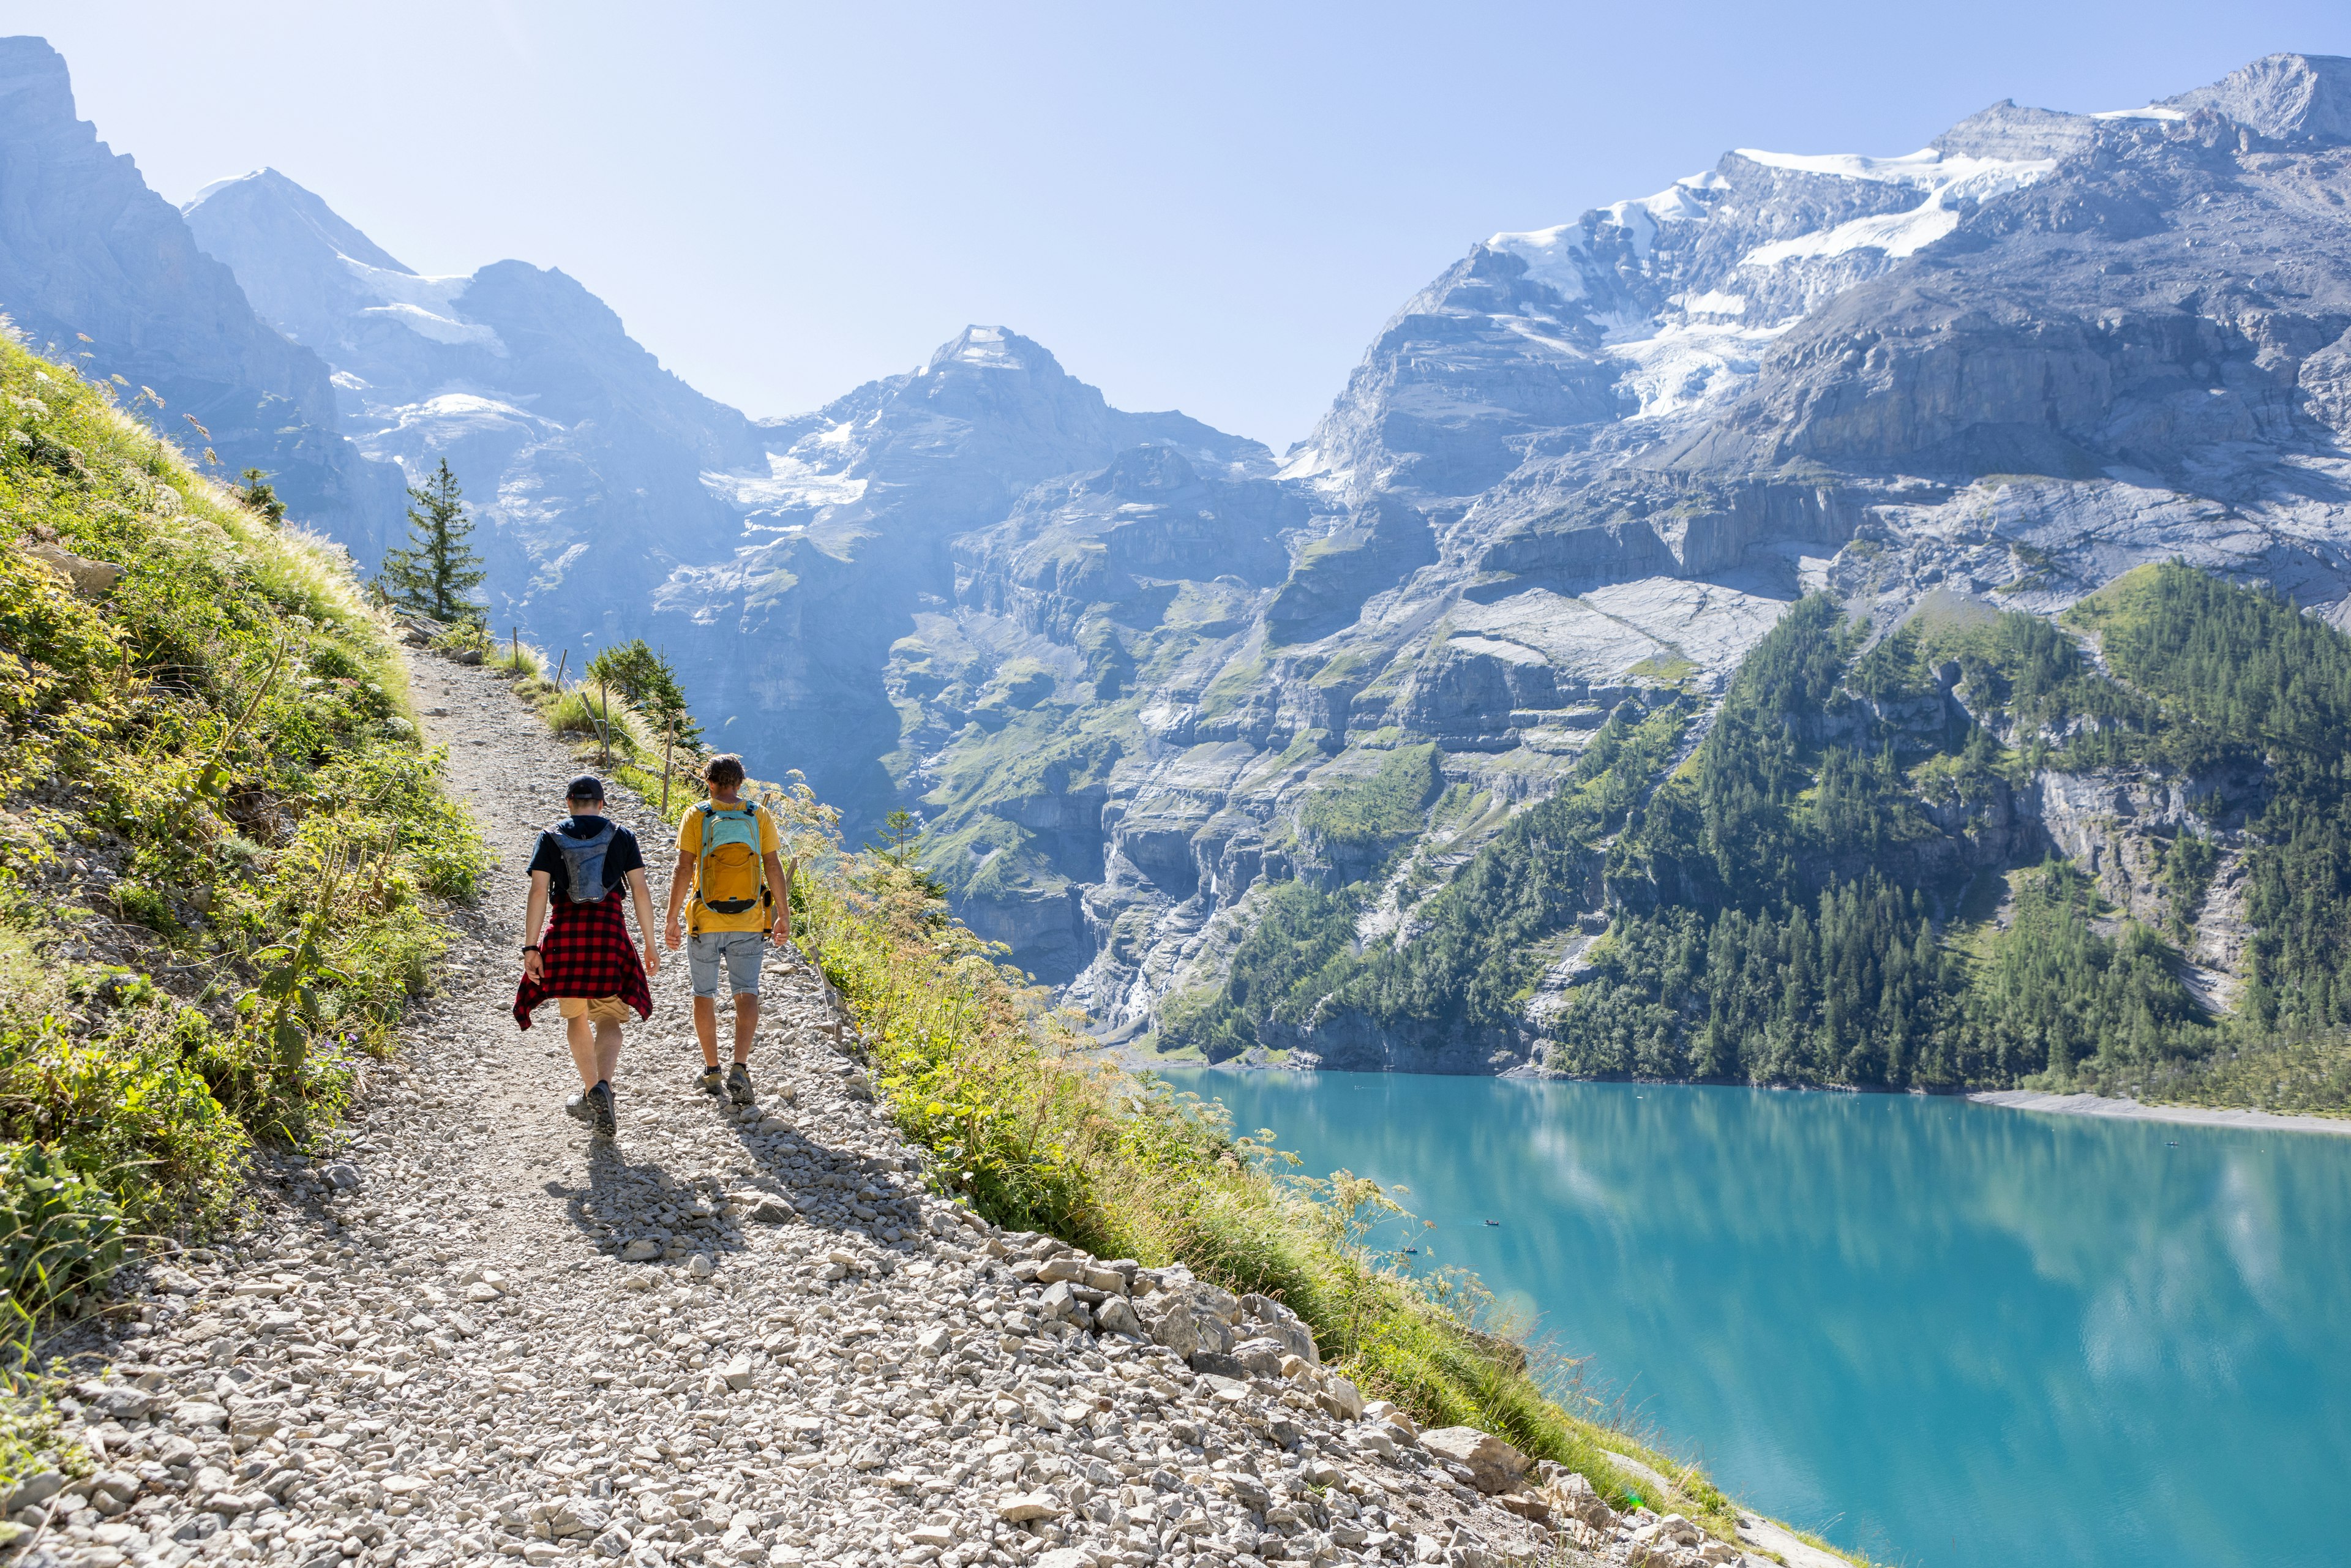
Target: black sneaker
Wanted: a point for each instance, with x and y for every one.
(599, 1100)
(738, 1084)
(579, 1108)
(710, 1082)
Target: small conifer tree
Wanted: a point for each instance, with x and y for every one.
(650, 684)
(437, 574)
(260, 496)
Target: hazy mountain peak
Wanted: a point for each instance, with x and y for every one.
(994, 348)
(268, 200)
(87, 251)
(34, 83)
(2287, 96)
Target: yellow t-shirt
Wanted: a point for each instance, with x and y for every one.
(732, 874)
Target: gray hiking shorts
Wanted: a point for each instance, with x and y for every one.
(739, 951)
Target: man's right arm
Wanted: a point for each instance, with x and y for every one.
(680, 885)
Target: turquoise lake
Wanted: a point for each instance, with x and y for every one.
(1949, 1334)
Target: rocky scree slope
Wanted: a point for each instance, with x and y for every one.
(467, 1334)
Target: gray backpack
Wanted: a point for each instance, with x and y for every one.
(583, 862)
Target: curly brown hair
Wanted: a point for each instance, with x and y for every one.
(722, 771)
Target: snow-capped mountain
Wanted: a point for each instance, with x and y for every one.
(582, 457)
(844, 544)
(1112, 657)
(1601, 457)
(776, 561)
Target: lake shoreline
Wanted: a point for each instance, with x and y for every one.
(2179, 1116)
(2033, 1099)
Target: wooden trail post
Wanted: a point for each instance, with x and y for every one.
(560, 665)
(516, 632)
(669, 741)
(604, 723)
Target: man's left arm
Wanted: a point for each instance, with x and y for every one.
(641, 896)
(779, 877)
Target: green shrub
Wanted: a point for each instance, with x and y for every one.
(228, 728)
(60, 1232)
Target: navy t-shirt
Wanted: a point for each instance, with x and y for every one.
(621, 856)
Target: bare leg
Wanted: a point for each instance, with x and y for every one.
(608, 1050)
(747, 1023)
(705, 1027)
(582, 1037)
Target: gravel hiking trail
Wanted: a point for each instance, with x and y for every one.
(470, 1333)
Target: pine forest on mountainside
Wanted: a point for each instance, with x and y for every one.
(1806, 899)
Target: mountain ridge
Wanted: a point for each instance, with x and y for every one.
(1132, 670)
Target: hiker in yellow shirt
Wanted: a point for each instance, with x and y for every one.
(727, 865)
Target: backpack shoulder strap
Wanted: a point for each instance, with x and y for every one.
(702, 851)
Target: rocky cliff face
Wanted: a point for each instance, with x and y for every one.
(1597, 459)
(97, 265)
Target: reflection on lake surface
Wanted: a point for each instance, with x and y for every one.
(1949, 1335)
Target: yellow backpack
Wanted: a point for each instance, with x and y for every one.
(728, 877)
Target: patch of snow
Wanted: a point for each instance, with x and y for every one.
(1554, 255)
(425, 306)
(468, 409)
(836, 437)
(1715, 302)
(1911, 169)
(1681, 367)
(984, 346)
(440, 329)
(788, 482)
(1305, 462)
(2151, 112)
(1951, 186)
(1508, 653)
(348, 382)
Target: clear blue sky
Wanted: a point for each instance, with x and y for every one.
(1204, 206)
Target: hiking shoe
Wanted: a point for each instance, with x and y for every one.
(710, 1082)
(599, 1100)
(579, 1108)
(738, 1084)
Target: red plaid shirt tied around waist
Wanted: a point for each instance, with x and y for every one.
(586, 952)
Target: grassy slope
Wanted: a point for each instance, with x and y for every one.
(220, 841)
(1037, 1133)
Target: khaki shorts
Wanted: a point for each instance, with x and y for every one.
(599, 1010)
